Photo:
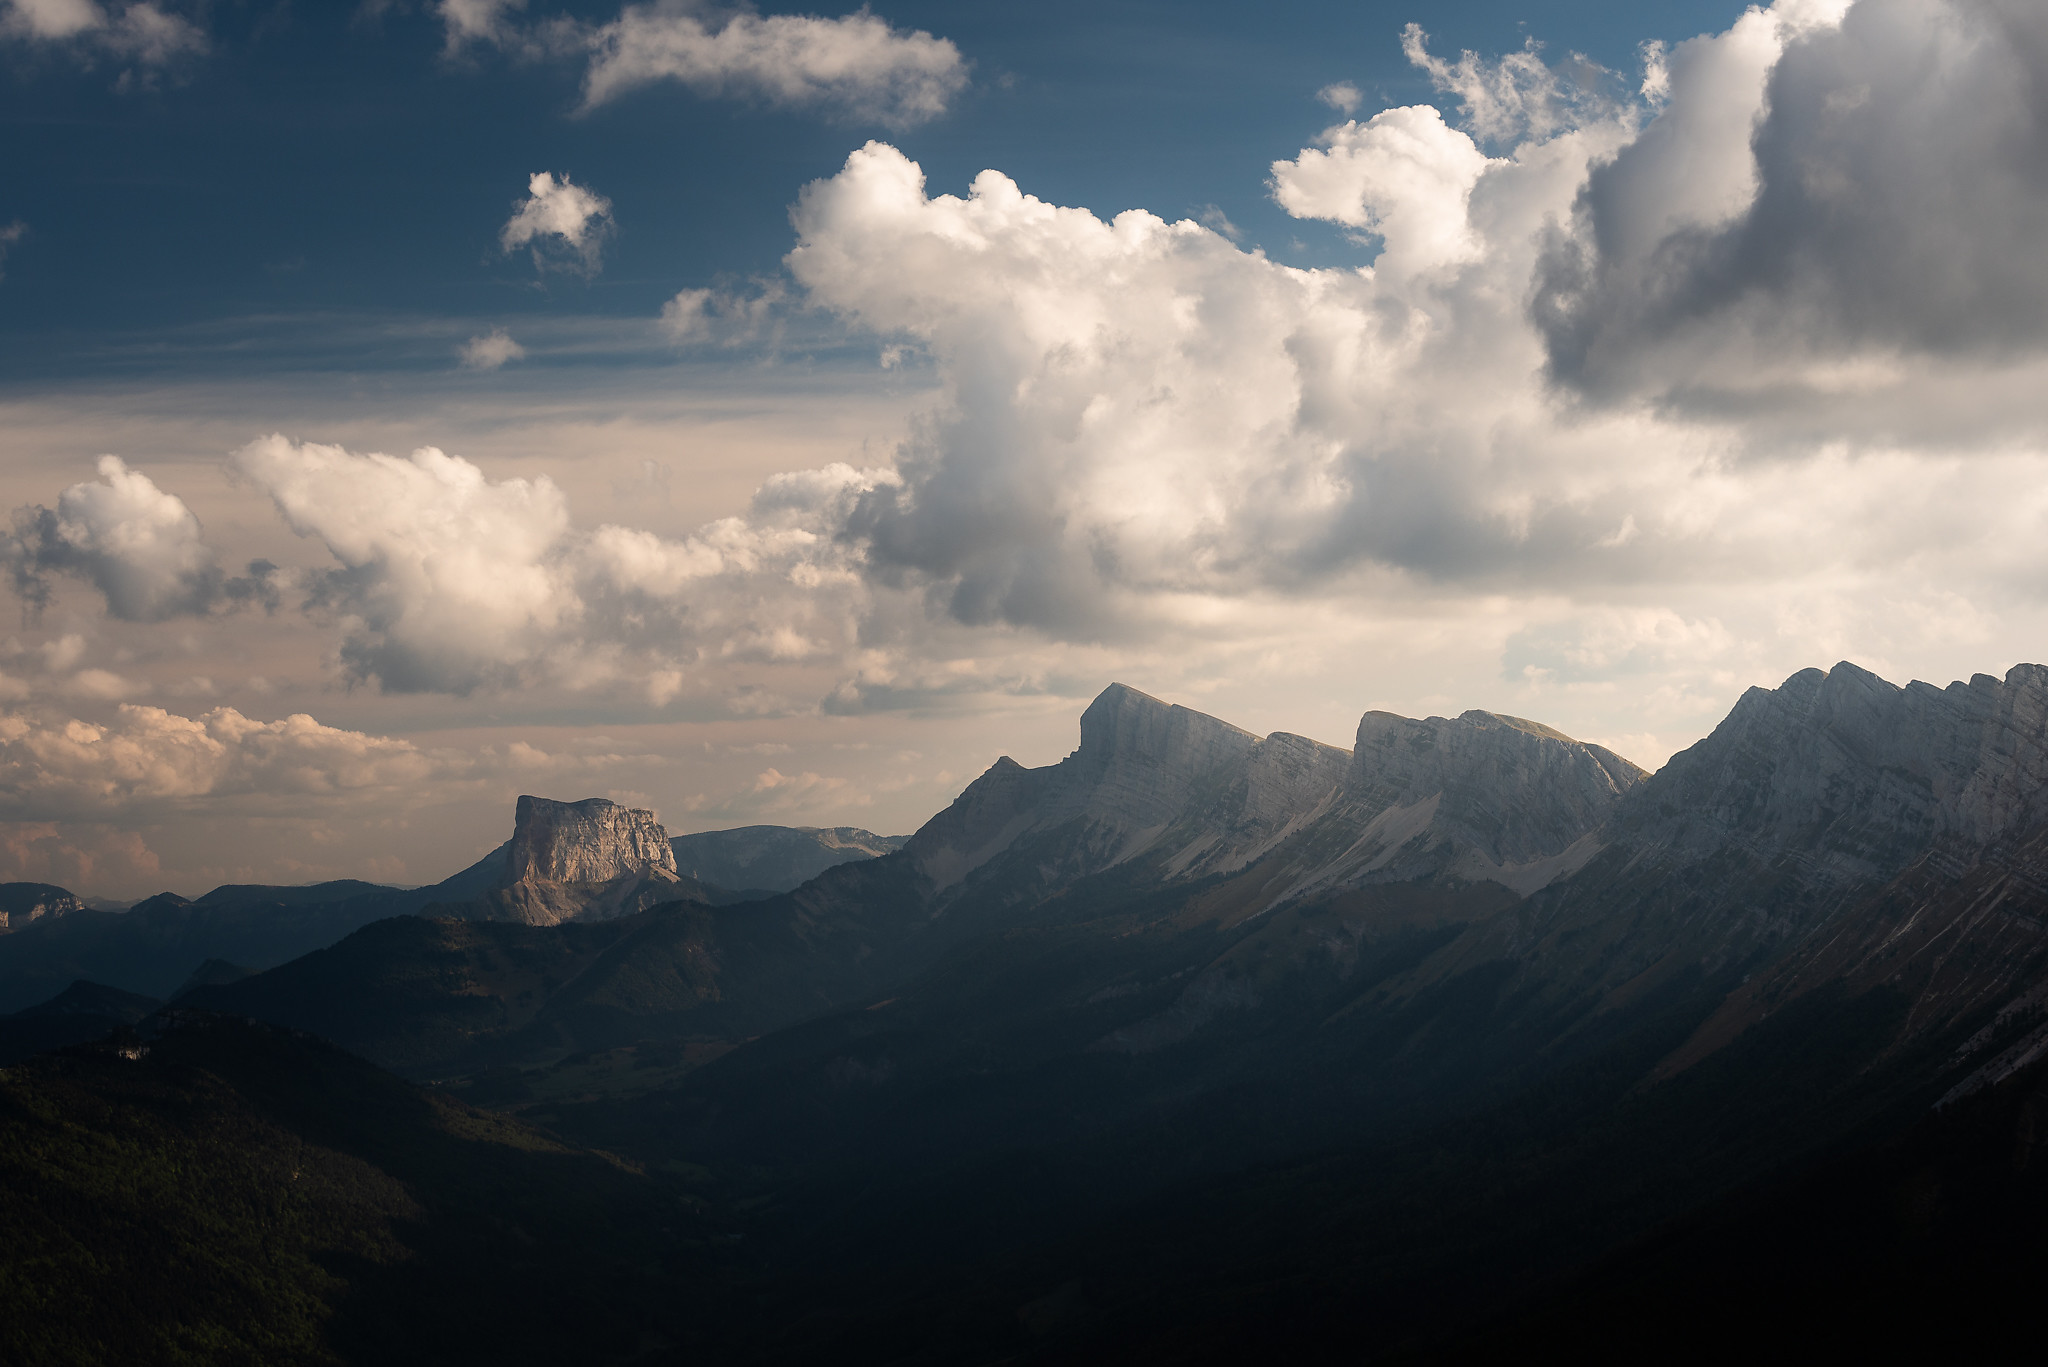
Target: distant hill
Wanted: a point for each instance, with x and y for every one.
(225, 1192)
(776, 858)
(155, 945)
(81, 1012)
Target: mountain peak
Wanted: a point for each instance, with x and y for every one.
(591, 841)
(1513, 790)
(1124, 724)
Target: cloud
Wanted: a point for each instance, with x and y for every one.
(1518, 96)
(147, 754)
(143, 33)
(469, 22)
(1403, 174)
(47, 852)
(1342, 96)
(490, 351)
(565, 225)
(140, 547)
(449, 581)
(1831, 212)
(857, 64)
(1494, 429)
(726, 317)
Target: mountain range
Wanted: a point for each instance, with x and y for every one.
(1199, 1044)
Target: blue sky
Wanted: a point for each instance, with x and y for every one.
(404, 406)
(324, 159)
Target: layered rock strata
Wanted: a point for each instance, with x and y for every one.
(1182, 795)
(579, 861)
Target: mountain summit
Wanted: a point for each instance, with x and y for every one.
(587, 860)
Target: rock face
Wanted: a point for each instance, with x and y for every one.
(592, 841)
(588, 860)
(23, 903)
(1479, 797)
(1855, 774)
(775, 858)
(1152, 782)
(1171, 793)
(1785, 823)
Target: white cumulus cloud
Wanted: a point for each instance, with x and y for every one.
(561, 222)
(857, 63)
(1403, 174)
(139, 546)
(446, 580)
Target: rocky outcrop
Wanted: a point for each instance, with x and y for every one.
(1854, 775)
(592, 841)
(1177, 795)
(775, 858)
(1152, 783)
(1776, 834)
(24, 903)
(578, 861)
(1480, 797)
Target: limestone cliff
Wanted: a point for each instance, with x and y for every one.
(1183, 795)
(1777, 832)
(23, 903)
(580, 861)
(592, 841)
(1151, 781)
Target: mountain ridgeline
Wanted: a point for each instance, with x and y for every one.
(1198, 1045)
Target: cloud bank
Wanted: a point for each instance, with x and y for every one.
(1660, 362)
(447, 581)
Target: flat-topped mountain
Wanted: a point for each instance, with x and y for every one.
(592, 841)
(570, 861)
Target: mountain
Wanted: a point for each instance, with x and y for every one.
(81, 1012)
(1203, 823)
(572, 861)
(1462, 963)
(1199, 1046)
(218, 1191)
(775, 858)
(158, 943)
(22, 903)
(426, 996)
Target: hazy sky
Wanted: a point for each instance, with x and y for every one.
(776, 416)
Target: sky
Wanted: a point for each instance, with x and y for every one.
(776, 416)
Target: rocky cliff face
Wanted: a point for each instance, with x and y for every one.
(1480, 797)
(1856, 775)
(1182, 795)
(23, 903)
(1779, 829)
(592, 841)
(588, 860)
(1151, 781)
